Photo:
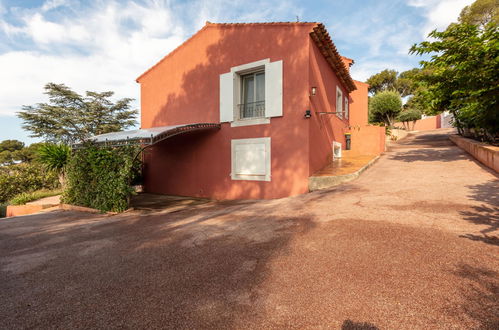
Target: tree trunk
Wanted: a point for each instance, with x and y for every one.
(62, 179)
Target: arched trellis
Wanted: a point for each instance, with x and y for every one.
(145, 137)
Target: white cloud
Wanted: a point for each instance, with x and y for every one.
(105, 46)
(439, 13)
(53, 4)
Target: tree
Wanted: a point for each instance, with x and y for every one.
(69, 117)
(465, 76)
(55, 157)
(481, 13)
(384, 107)
(391, 80)
(385, 80)
(9, 151)
(408, 116)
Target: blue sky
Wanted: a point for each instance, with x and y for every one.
(105, 45)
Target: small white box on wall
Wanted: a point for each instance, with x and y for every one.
(251, 159)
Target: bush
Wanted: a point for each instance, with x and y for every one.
(384, 107)
(16, 179)
(3, 210)
(408, 116)
(101, 178)
(27, 197)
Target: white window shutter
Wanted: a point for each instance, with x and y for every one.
(273, 89)
(227, 97)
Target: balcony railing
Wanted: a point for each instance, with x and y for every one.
(251, 110)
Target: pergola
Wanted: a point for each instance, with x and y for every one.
(146, 136)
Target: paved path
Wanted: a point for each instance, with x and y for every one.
(412, 244)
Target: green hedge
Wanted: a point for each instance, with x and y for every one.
(21, 178)
(101, 178)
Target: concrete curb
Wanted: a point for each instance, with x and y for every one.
(20, 210)
(486, 154)
(324, 182)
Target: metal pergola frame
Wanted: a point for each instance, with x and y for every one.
(164, 132)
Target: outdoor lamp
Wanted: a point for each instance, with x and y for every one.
(308, 113)
(314, 90)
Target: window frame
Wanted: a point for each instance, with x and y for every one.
(339, 105)
(346, 109)
(242, 88)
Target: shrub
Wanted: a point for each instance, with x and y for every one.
(54, 157)
(409, 115)
(16, 179)
(101, 178)
(384, 107)
(27, 197)
(3, 210)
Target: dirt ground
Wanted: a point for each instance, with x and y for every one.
(412, 244)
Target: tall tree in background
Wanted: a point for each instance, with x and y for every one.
(481, 13)
(391, 80)
(69, 117)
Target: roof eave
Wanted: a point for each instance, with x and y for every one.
(323, 41)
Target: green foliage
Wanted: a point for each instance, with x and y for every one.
(465, 76)
(409, 115)
(101, 178)
(25, 177)
(384, 107)
(70, 117)
(12, 151)
(391, 80)
(3, 210)
(9, 151)
(54, 156)
(26, 197)
(481, 13)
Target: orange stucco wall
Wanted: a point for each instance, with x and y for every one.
(324, 128)
(426, 124)
(367, 140)
(484, 153)
(184, 88)
(358, 105)
(18, 210)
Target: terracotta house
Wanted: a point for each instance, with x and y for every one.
(275, 97)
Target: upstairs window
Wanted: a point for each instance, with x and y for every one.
(346, 107)
(252, 96)
(339, 103)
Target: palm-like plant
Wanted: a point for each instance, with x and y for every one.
(55, 157)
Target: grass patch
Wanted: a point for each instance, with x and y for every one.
(24, 198)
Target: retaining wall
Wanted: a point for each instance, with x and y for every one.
(486, 154)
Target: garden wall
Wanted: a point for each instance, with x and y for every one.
(425, 124)
(484, 153)
(367, 140)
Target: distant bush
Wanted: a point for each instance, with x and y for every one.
(3, 210)
(16, 179)
(408, 116)
(27, 197)
(101, 178)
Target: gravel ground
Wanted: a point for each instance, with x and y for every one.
(412, 244)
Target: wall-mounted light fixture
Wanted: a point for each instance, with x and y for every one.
(308, 113)
(314, 90)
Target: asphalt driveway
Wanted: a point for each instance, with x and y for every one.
(412, 244)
